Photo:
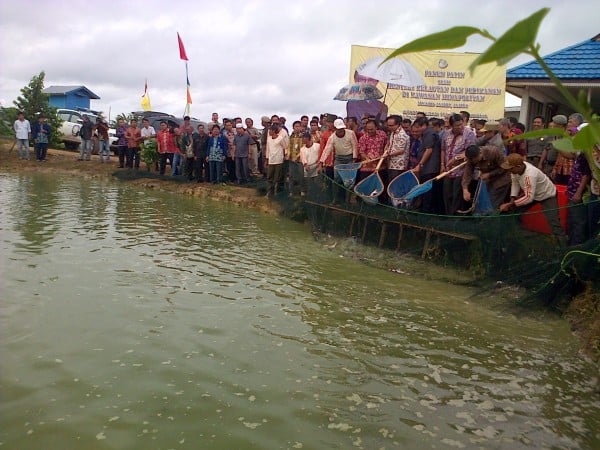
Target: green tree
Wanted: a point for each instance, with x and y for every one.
(7, 118)
(33, 102)
(126, 117)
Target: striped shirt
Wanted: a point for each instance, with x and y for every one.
(536, 186)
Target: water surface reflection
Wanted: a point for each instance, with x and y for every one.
(136, 319)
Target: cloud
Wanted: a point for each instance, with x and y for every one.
(247, 58)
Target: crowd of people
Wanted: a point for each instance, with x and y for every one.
(517, 173)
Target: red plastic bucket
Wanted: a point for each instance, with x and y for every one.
(534, 219)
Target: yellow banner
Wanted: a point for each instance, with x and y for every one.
(146, 106)
(436, 83)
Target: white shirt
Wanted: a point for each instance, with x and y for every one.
(22, 129)
(535, 184)
(309, 156)
(148, 132)
(346, 145)
(277, 148)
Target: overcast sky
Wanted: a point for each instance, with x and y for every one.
(246, 58)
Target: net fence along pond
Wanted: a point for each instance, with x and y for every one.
(500, 244)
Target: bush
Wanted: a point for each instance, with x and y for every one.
(149, 153)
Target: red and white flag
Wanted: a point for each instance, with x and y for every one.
(182, 54)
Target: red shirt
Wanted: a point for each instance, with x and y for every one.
(371, 147)
(166, 141)
(133, 136)
(324, 138)
(102, 131)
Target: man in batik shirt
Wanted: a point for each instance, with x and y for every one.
(371, 146)
(229, 134)
(454, 144)
(398, 147)
(315, 133)
(295, 168)
(253, 156)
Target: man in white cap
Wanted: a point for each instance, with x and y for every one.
(344, 146)
(242, 141)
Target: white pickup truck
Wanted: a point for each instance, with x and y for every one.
(71, 125)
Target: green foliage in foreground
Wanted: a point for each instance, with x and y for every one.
(520, 39)
(7, 118)
(149, 153)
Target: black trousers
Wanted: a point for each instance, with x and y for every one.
(133, 157)
(122, 153)
(275, 178)
(230, 168)
(164, 158)
(578, 222)
(40, 151)
(453, 199)
(431, 202)
(200, 169)
(188, 168)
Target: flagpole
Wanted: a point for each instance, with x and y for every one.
(187, 92)
(188, 98)
(183, 57)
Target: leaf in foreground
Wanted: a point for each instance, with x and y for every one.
(540, 133)
(587, 137)
(450, 38)
(518, 39)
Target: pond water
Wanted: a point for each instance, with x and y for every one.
(143, 320)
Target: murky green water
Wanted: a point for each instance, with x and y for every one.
(141, 320)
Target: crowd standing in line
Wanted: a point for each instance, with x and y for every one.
(518, 173)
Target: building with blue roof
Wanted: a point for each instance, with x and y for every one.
(70, 97)
(577, 67)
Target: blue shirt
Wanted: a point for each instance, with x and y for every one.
(217, 148)
(242, 144)
(41, 138)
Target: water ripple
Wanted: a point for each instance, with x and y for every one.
(136, 319)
